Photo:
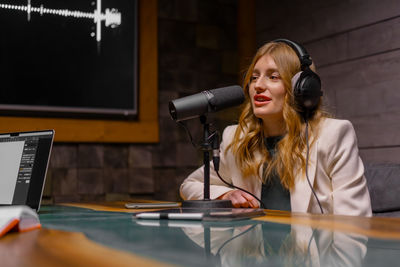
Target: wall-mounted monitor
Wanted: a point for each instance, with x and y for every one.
(75, 58)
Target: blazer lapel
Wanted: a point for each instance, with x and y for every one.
(301, 194)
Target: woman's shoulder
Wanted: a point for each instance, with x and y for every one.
(230, 130)
(333, 129)
(329, 124)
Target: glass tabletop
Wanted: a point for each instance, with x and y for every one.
(238, 243)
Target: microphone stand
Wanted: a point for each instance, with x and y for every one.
(206, 202)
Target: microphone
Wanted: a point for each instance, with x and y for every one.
(208, 101)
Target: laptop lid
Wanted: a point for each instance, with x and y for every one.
(24, 159)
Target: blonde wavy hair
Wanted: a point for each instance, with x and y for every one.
(249, 136)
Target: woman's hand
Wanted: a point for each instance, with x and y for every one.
(240, 199)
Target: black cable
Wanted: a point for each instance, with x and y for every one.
(189, 134)
(217, 261)
(231, 185)
(215, 142)
(215, 136)
(308, 179)
(234, 237)
(237, 187)
(309, 248)
(197, 146)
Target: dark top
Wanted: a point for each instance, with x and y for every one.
(273, 194)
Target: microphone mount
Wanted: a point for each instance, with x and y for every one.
(206, 202)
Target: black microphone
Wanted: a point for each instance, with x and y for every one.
(193, 106)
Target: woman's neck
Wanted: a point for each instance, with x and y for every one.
(274, 127)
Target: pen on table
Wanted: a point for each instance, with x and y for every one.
(170, 216)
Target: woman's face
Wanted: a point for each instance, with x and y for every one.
(267, 91)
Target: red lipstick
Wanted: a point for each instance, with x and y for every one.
(260, 100)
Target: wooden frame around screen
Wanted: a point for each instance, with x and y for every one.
(144, 130)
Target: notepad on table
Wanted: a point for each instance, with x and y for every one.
(18, 218)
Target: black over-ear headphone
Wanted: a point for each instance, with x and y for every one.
(307, 92)
(306, 84)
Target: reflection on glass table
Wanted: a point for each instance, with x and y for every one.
(271, 244)
(238, 243)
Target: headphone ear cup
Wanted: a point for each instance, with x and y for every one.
(306, 90)
(295, 79)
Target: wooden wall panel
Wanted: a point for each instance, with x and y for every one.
(329, 50)
(366, 86)
(381, 155)
(313, 20)
(366, 91)
(374, 39)
(378, 130)
(355, 44)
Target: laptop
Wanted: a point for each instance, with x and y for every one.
(24, 159)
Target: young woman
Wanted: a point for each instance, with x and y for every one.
(288, 157)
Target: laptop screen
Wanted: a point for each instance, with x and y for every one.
(24, 159)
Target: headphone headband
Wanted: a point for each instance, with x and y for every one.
(304, 57)
(306, 84)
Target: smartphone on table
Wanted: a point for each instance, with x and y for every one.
(143, 205)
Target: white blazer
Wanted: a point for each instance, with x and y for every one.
(335, 171)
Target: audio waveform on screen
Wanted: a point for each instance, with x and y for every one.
(111, 16)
